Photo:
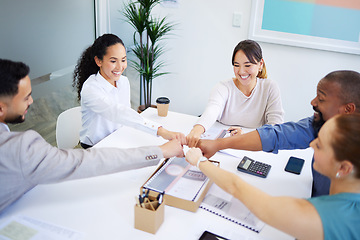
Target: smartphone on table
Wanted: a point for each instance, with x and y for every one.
(211, 236)
(294, 165)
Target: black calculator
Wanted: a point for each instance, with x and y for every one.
(253, 167)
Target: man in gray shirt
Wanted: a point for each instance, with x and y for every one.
(27, 160)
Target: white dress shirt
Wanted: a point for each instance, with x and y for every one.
(228, 105)
(105, 108)
(6, 126)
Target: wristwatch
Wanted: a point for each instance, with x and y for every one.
(202, 159)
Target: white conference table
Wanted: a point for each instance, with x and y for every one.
(103, 207)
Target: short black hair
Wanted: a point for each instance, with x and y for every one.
(10, 75)
(349, 82)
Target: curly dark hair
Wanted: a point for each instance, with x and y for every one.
(10, 75)
(86, 65)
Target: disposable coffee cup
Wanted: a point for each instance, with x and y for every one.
(162, 106)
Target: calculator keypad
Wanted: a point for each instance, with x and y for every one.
(253, 167)
(259, 168)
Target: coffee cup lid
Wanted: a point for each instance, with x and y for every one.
(163, 100)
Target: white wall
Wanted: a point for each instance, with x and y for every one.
(199, 56)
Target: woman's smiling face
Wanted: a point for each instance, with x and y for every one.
(244, 70)
(113, 63)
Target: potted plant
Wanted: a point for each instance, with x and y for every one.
(149, 31)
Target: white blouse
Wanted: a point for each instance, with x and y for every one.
(228, 105)
(106, 108)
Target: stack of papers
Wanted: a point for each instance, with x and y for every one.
(26, 228)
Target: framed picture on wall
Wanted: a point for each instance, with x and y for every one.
(319, 24)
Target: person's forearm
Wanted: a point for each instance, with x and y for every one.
(256, 200)
(230, 182)
(249, 141)
(278, 212)
(198, 129)
(222, 178)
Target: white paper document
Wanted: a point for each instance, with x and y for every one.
(26, 228)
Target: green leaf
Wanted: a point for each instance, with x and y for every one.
(147, 48)
(158, 28)
(136, 16)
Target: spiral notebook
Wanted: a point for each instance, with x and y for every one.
(178, 178)
(223, 204)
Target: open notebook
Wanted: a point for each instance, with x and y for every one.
(179, 179)
(223, 204)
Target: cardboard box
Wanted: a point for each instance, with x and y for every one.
(179, 202)
(149, 218)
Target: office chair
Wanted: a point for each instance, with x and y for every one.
(67, 128)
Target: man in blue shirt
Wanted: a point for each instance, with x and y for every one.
(337, 93)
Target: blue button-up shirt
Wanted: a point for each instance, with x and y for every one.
(294, 135)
